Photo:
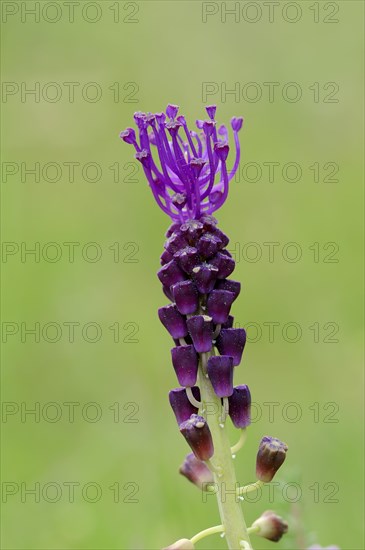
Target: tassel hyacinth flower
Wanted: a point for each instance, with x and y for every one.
(189, 177)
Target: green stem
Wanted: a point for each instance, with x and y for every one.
(206, 533)
(229, 505)
(248, 488)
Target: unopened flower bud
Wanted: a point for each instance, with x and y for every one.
(182, 544)
(185, 362)
(220, 372)
(200, 328)
(271, 526)
(196, 471)
(197, 434)
(181, 405)
(271, 455)
(240, 407)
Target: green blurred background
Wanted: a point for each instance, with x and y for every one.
(160, 52)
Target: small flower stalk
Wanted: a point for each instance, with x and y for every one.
(189, 175)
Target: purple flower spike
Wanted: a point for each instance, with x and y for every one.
(170, 273)
(188, 176)
(197, 434)
(185, 362)
(219, 305)
(228, 284)
(220, 372)
(200, 328)
(270, 526)
(208, 245)
(197, 472)
(231, 341)
(224, 264)
(187, 258)
(240, 407)
(186, 297)
(204, 277)
(271, 455)
(181, 405)
(173, 321)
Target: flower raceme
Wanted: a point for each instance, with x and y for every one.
(186, 170)
(188, 175)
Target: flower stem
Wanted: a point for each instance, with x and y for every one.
(240, 442)
(248, 488)
(226, 485)
(206, 533)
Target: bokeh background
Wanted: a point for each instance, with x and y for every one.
(106, 475)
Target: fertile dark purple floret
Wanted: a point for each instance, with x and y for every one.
(270, 526)
(219, 304)
(186, 171)
(240, 407)
(208, 245)
(173, 321)
(186, 297)
(197, 472)
(200, 328)
(225, 265)
(231, 341)
(181, 405)
(228, 284)
(270, 456)
(204, 277)
(229, 322)
(197, 433)
(185, 362)
(220, 372)
(187, 258)
(170, 273)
